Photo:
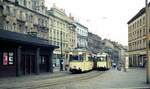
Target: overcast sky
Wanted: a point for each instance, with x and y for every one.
(106, 18)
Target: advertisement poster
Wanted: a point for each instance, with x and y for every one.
(5, 58)
(11, 58)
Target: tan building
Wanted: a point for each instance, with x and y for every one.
(24, 45)
(20, 16)
(61, 31)
(137, 39)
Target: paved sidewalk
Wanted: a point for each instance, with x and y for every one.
(27, 78)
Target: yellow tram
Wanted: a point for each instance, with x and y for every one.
(79, 61)
(103, 61)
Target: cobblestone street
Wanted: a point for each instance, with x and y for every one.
(132, 79)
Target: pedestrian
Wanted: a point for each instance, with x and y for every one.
(114, 65)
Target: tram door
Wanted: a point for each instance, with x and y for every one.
(28, 64)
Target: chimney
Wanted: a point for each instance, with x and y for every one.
(54, 5)
(71, 17)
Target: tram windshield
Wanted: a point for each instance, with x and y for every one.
(101, 58)
(76, 57)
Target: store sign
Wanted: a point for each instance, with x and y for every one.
(5, 58)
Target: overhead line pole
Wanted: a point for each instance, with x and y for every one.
(147, 45)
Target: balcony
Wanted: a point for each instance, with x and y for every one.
(35, 21)
(21, 16)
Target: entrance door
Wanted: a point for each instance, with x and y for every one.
(28, 64)
(44, 64)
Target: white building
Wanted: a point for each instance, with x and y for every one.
(81, 35)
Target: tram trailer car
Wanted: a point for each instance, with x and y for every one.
(79, 61)
(103, 62)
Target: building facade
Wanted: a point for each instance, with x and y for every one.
(94, 43)
(81, 36)
(137, 39)
(61, 33)
(24, 47)
(19, 16)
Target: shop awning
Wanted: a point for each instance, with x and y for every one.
(24, 39)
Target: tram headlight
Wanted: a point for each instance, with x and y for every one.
(74, 67)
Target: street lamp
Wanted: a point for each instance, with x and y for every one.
(61, 60)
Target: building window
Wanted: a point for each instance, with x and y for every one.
(8, 10)
(140, 22)
(6, 26)
(25, 3)
(1, 10)
(144, 20)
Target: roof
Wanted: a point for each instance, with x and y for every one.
(81, 25)
(23, 7)
(142, 11)
(24, 39)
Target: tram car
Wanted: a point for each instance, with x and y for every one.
(103, 62)
(79, 61)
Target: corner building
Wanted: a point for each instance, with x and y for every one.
(137, 39)
(24, 48)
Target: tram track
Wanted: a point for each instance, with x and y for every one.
(60, 81)
(71, 80)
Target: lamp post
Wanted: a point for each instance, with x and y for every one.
(147, 45)
(61, 59)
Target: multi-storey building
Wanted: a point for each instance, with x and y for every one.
(137, 39)
(94, 43)
(19, 16)
(61, 33)
(81, 35)
(24, 47)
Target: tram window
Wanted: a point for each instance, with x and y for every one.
(91, 58)
(76, 57)
(73, 57)
(80, 57)
(102, 58)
